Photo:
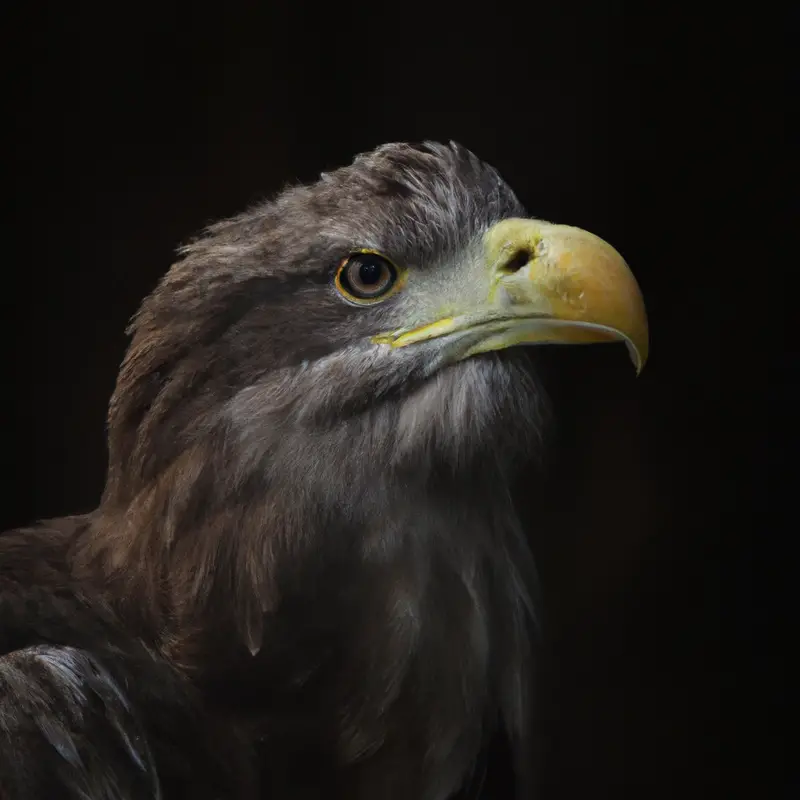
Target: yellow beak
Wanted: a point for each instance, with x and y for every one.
(539, 283)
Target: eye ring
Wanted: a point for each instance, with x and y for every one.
(366, 277)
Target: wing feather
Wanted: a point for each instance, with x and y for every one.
(68, 730)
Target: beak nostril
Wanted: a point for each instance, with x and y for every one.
(516, 262)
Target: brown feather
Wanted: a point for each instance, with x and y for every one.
(320, 538)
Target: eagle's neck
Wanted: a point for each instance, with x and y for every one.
(392, 601)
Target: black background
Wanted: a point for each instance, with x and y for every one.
(137, 126)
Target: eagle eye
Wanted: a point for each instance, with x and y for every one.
(366, 277)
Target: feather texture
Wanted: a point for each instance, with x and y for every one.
(305, 577)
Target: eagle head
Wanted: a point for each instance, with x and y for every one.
(345, 348)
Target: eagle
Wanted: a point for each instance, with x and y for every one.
(305, 577)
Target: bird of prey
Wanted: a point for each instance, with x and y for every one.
(305, 577)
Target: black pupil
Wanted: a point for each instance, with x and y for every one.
(370, 272)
